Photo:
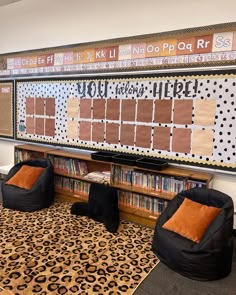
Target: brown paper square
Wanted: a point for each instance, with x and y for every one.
(99, 109)
(39, 126)
(72, 129)
(72, 108)
(143, 136)
(85, 108)
(29, 105)
(181, 140)
(85, 131)
(50, 106)
(113, 109)
(128, 109)
(202, 143)
(145, 108)
(50, 127)
(183, 109)
(204, 111)
(161, 138)
(30, 125)
(163, 110)
(39, 106)
(112, 133)
(127, 134)
(98, 132)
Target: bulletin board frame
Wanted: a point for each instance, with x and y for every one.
(111, 114)
(7, 109)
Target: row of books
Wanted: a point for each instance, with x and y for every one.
(69, 166)
(153, 181)
(194, 183)
(71, 185)
(128, 199)
(153, 205)
(26, 155)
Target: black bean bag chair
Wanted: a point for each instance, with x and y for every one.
(29, 186)
(102, 206)
(209, 258)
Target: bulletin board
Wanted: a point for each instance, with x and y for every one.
(185, 118)
(6, 109)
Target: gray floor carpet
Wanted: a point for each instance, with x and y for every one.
(163, 281)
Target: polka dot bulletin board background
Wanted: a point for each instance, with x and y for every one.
(183, 118)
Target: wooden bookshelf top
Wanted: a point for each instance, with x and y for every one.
(33, 148)
(69, 154)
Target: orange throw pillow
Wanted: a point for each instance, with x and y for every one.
(26, 176)
(191, 220)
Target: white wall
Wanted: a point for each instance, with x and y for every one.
(6, 152)
(33, 24)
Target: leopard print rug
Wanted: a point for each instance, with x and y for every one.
(52, 252)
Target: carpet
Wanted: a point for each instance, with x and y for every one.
(54, 252)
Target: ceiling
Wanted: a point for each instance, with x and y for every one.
(7, 2)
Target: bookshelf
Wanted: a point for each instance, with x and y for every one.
(149, 191)
(143, 193)
(72, 174)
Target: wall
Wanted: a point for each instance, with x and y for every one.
(32, 24)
